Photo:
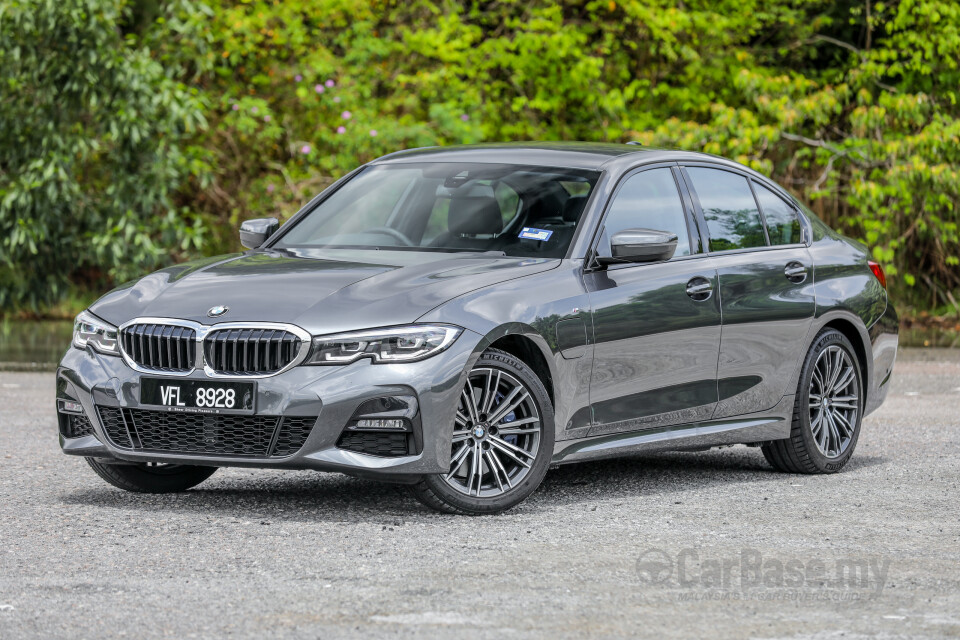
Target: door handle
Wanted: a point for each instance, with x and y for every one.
(699, 289)
(795, 272)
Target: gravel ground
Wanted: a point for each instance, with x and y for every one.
(668, 545)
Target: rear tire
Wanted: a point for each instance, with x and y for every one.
(144, 478)
(511, 460)
(827, 411)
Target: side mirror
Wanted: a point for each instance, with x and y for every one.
(253, 233)
(641, 245)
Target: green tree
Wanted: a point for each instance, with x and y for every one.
(128, 129)
(93, 150)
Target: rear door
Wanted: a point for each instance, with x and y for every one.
(657, 325)
(765, 286)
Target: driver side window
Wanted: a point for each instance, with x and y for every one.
(650, 200)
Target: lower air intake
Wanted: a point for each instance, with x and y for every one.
(377, 443)
(73, 425)
(193, 433)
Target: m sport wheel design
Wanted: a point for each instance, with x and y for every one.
(827, 410)
(497, 434)
(502, 440)
(834, 401)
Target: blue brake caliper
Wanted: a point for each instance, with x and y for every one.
(510, 417)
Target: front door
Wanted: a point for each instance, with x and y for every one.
(656, 326)
(766, 287)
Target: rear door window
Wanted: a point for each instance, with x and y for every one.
(733, 218)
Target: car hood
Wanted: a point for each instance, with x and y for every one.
(322, 291)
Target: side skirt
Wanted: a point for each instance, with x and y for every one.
(773, 424)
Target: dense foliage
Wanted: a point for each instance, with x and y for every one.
(134, 133)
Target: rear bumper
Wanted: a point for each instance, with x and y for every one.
(884, 339)
(331, 394)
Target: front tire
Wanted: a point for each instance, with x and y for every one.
(827, 411)
(502, 440)
(151, 478)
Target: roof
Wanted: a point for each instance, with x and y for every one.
(574, 155)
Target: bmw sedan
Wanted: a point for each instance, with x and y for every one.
(461, 319)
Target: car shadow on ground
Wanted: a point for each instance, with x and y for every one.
(669, 473)
(279, 496)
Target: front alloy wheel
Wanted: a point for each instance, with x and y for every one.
(502, 440)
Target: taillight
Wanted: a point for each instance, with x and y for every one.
(878, 271)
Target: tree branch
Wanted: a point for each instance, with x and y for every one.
(839, 43)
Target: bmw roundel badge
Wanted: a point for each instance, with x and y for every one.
(217, 311)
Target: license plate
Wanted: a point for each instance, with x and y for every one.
(198, 396)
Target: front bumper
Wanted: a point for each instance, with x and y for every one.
(331, 393)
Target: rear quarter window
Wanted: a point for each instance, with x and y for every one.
(783, 223)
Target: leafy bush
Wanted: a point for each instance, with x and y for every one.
(163, 124)
(94, 148)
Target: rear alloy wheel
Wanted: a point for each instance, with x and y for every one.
(827, 410)
(151, 477)
(502, 440)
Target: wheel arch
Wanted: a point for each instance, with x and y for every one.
(851, 333)
(526, 344)
(852, 328)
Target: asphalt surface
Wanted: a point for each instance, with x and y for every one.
(711, 544)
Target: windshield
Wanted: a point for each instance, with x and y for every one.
(514, 209)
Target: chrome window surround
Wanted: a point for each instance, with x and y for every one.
(202, 330)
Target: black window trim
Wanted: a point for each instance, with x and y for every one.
(750, 179)
(693, 225)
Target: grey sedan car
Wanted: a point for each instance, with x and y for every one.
(461, 319)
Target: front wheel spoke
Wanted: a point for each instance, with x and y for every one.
(824, 372)
(834, 433)
(843, 422)
(845, 402)
(486, 393)
(461, 419)
(487, 400)
(475, 470)
(822, 434)
(518, 431)
(844, 380)
(502, 413)
(517, 423)
(488, 456)
(458, 460)
(512, 451)
(511, 455)
(817, 378)
(460, 436)
(843, 405)
(469, 403)
(506, 427)
(499, 466)
(835, 367)
(504, 407)
(825, 435)
(817, 423)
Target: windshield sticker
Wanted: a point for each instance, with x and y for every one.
(531, 233)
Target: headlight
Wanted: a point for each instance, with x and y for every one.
(392, 344)
(90, 330)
